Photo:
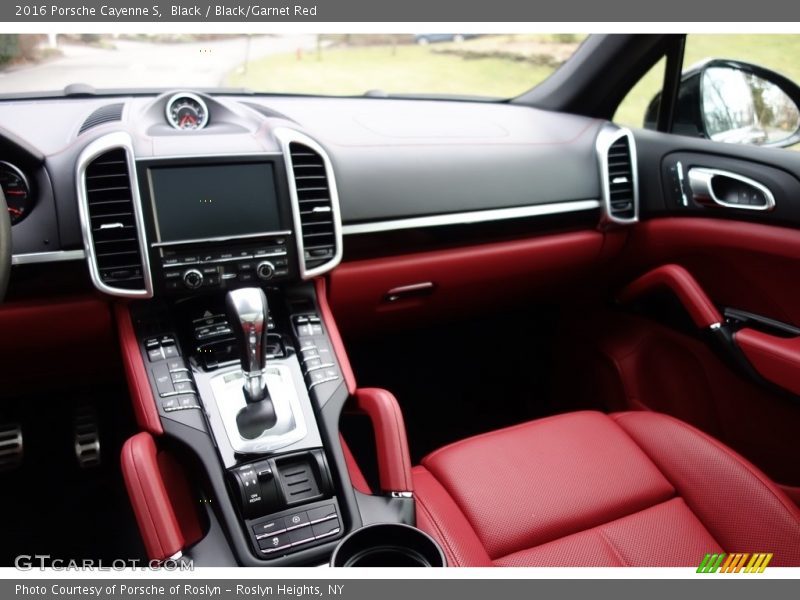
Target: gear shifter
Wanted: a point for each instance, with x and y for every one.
(249, 315)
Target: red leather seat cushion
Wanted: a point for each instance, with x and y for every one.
(587, 489)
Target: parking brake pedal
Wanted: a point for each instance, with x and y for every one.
(87, 437)
(10, 446)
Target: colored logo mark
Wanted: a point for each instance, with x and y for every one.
(734, 563)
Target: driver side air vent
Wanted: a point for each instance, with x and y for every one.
(617, 156)
(620, 179)
(112, 222)
(104, 114)
(317, 219)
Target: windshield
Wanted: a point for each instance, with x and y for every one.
(494, 66)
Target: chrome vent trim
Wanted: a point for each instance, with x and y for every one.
(286, 137)
(610, 140)
(96, 149)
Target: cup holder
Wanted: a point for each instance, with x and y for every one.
(388, 545)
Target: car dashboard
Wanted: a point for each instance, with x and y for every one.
(180, 205)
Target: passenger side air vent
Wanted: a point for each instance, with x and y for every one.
(104, 114)
(318, 215)
(111, 222)
(618, 159)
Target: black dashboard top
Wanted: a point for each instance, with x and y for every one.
(398, 163)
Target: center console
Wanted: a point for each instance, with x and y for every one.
(201, 362)
(234, 362)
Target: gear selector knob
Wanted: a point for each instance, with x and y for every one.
(249, 316)
(248, 312)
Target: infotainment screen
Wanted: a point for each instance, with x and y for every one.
(213, 201)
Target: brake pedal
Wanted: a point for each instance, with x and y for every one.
(11, 452)
(87, 437)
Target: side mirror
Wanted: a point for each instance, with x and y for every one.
(735, 102)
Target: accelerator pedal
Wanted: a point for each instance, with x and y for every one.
(11, 452)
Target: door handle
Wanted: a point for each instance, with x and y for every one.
(415, 290)
(714, 187)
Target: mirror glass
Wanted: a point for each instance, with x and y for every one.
(742, 108)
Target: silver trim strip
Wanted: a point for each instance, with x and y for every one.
(476, 216)
(700, 182)
(285, 137)
(609, 134)
(47, 257)
(225, 238)
(100, 146)
(163, 160)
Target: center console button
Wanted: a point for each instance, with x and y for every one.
(193, 279)
(176, 364)
(170, 351)
(322, 513)
(274, 543)
(246, 276)
(169, 404)
(296, 520)
(163, 380)
(180, 376)
(265, 270)
(188, 401)
(325, 528)
(312, 363)
(184, 387)
(269, 528)
(155, 354)
(301, 536)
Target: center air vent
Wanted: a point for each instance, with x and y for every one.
(317, 206)
(104, 114)
(110, 226)
(620, 180)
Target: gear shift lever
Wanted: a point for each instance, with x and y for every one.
(249, 315)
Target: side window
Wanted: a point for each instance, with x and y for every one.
(740, 89)
(631, 111)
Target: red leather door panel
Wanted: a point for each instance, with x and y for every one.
(748, 266)
(776, 359)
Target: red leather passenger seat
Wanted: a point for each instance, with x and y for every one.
(588, 489)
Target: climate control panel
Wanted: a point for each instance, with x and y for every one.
(187, 269)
